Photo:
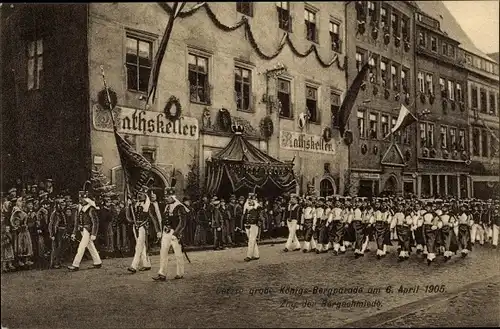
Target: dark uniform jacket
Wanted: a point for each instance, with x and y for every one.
(252, 217)
(58, 221)
(87, 219)
(293, 212)
(175, 219)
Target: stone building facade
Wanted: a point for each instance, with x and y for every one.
(220, 58)
(441, 79)
(381, 33)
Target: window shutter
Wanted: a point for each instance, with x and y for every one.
(291, 110)
(253, 102)
(290, 20)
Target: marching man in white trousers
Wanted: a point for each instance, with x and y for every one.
(292, 215)
(87, 223)
(141, 216)
(174, 222)
(251, 220)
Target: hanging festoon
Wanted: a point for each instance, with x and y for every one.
(327, 134)
(224, 119)
(364, 148)
(303, 117)
(348, 137)
(173, 109)
(266, 127)
(102, 98)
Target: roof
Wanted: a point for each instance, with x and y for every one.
(449, 25)
(240, 150)
(495, 56)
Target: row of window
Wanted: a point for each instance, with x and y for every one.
(449, 89)
(481, 63)
(483, 144)
(435, 45)
(379, 13)
(447, 137)
(379, 130)
(480, 97)
(398, 78)
(310, 22)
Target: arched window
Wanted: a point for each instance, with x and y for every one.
(326, 188)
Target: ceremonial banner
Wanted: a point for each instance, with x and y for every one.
(136, 169)
(405, 118)
(350, 99)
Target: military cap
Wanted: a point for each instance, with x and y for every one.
(321, 198)
(29, 200)
(12, 190)
(293, 195)
(49, 180)
(42, 194)
(329, 198)
(241, 198)
(232, 197)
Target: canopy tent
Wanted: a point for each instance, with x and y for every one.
(245, 167)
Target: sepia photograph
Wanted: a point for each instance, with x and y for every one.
(330, 164)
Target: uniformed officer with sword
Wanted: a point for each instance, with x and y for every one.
(174, 222)
(141, 214)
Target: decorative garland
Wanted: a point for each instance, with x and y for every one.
(267, 127)
(102, 98)
(327, 134)
(224, 119)
(348, 137)
(178, 108)
(244, 21)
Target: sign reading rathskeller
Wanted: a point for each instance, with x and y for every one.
(141, 122)
(292, 140)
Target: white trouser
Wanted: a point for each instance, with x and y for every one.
(168, 239)
(85, 242)
(140, 250)
(310, 244)
(253, 248)
(292, 240)
(495, 234)
(477, 233)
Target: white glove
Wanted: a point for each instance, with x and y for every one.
(73, 237)
(92, 237)
(52, 238)
(434, 227)
(219, 229)
(158, 235)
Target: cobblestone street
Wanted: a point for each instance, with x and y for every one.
(221, 290)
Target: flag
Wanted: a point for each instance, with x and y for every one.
(162, 49)
(136, 168)
(405, 118)
(350, 98)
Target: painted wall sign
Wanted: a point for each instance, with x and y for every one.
(292, 140)
(140, 122)
(369, 176)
